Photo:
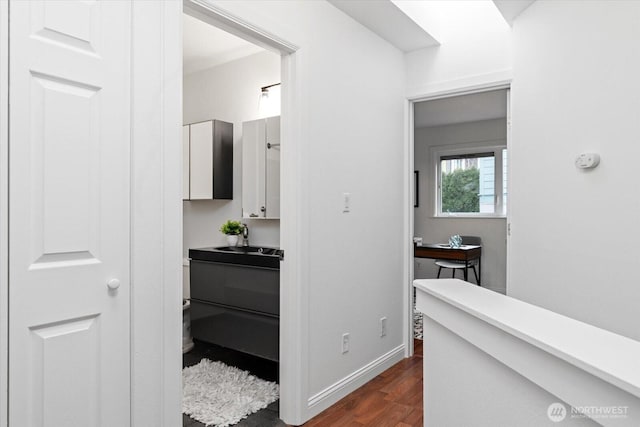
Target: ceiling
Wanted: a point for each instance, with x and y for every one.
(389, 22)
(411, 25)
(510, 9)
(205, 46)
(460, 109)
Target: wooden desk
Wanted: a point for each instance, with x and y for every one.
(466, 253)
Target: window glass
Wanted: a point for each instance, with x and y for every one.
(473, 183)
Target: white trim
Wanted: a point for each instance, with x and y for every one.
(356, 379)
(294, 303)
(509, 174)
(156, 214)
(294, 269)
(468, 216)
(171, 143)
(495, 146)
(221, 18)
(466, 86)
(4, 211)
(409, 226)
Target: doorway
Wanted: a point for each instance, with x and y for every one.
(212, 213)
(459, 158)
(154, 210)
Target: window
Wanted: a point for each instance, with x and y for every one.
(472, 182)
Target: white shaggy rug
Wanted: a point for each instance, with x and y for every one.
(220, 395)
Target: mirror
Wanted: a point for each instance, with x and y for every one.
(261, 168)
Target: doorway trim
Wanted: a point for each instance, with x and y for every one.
(4, 212)
(451, 89)
(293, 362)
(220, 18)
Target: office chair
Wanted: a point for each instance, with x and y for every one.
(459, 265)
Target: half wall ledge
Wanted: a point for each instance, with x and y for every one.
(594, 371)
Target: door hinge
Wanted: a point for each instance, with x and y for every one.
(509, 229)
(281, 254)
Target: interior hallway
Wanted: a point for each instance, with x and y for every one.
(392, 399)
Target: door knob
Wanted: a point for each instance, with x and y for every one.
(113, 284)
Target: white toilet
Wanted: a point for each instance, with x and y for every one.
(187, 340)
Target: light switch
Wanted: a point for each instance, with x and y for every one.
(346, 202)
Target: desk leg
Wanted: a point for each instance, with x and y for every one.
(480, 271)
(466, 271)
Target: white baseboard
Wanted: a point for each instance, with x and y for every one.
(330, 395)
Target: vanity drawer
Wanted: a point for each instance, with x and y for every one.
(250, 288)
(251, 333)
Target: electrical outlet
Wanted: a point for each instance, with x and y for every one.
(345, 343)
(383, 327)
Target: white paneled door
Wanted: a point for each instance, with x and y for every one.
(69, 213)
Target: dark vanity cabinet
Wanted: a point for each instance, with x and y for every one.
(233, 304)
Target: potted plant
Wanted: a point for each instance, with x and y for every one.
(232, 229)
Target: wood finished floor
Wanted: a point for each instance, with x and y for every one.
(392, 399)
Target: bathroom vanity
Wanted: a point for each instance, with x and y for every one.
(235, 298)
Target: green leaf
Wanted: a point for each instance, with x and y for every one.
(460, 190)
(232, 227)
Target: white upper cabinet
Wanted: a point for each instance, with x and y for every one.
(185, 162)
(261, 168)
(207, 160)
(272, 165)
(201, 161)
(253, 169)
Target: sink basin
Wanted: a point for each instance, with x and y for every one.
(249, 250)
(249, 255)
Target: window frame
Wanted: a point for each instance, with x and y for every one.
(496, 147)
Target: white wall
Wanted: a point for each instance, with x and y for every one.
(464, 386)
(575, 89)
(349, 91)
(433, 229)
(229, 92)
(471, 52)
(574, 232)
(156, 165)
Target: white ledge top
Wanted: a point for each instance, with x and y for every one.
(604, 354)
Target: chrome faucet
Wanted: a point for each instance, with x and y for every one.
(245, 235)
